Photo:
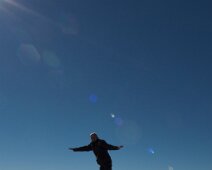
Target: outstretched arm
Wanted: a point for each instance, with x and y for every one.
(83, 148)
(110, 147)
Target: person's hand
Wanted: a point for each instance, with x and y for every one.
(120, 146)
(73, 149)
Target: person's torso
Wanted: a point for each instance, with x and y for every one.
(100, 152)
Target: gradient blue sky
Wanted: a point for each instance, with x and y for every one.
(136, 72)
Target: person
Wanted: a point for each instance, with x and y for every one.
(100, 149)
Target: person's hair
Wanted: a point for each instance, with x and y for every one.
(94, 133)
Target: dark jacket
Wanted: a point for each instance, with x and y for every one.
(100, 149)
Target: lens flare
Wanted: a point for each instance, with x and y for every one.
(93, 98)
(28, 54)
(69, 24)
(151, 151)
(112, 115)
(118, 121)
(51, 59)
(129, 133)
(22, 7)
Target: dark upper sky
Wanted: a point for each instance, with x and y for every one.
(136, 72)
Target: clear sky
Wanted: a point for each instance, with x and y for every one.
(137, 72)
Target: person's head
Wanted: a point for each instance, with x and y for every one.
(94, 137)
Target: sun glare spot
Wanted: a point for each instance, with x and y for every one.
(151, 151)
(113, 115)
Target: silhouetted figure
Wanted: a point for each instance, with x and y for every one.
(100, 149)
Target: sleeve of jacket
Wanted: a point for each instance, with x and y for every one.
(108, 146)
(83, 148)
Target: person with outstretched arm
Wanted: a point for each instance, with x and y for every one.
(100, 149)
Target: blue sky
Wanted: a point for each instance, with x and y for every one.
(136, 72)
